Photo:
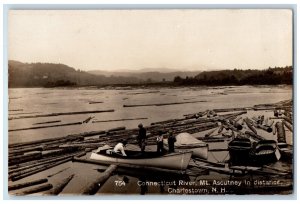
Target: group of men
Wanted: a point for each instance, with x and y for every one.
(141, 138)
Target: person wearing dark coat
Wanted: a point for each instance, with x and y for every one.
(159, 142)
(171, 141)
(141, 138)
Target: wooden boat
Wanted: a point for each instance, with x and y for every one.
(239, 149)
(264, 152)
(286, 151)
(185, 141)
(178, 160)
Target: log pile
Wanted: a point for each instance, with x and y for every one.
(28, 158)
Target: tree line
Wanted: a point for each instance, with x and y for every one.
(270, 76)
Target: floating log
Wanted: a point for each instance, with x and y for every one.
(94, 187)
(52, 121)
(94, 102)
(117, 129)
(125, 119)
(59, 151)
(92, 133)
(47, 126)
(216, 169)
(90, 145)
(254, 136)
(168, 121)
(58, 172)
(192, 116)
(27, 184)
(263, 108)
(23, 113)
(43, 162)
(227, 123)
(30, 149)
(88, 119)
(265, 104)
(58, 114)
(256, 170)
(15, 110)
(276, 169)
(208, 140)
(24, 158)
(209, 162)
(218, 150)
(211, 113)
(280, 132)
(236, 124)
(229, 109)
(37, 189)
(284, 118)
(57, 189)
(211, 132)
(245, 168)
(162, 104)
(56, 139)
(265, 128)
(39, 169)
(248, 123)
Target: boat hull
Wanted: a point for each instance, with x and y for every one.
(177, 161)
(239, 150)
(286, 151)
(265, 152)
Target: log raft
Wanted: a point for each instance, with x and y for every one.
(59, 114)
(27, 184)
(37, 189)
(161, 104)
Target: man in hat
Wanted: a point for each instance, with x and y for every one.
(141, 138)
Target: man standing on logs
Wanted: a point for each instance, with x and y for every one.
(142, 137)
(159, 141)
(171, 141)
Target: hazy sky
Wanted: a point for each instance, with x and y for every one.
(135, 39)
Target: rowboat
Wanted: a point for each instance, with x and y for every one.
(286, 151)
(185, 141)
(178, 160)
(239, 149)
(265, 151)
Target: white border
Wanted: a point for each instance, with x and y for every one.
(211, 3)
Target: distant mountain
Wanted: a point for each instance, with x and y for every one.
(49, 75)
(148, 74)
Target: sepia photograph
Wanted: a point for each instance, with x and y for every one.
(150, 102)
